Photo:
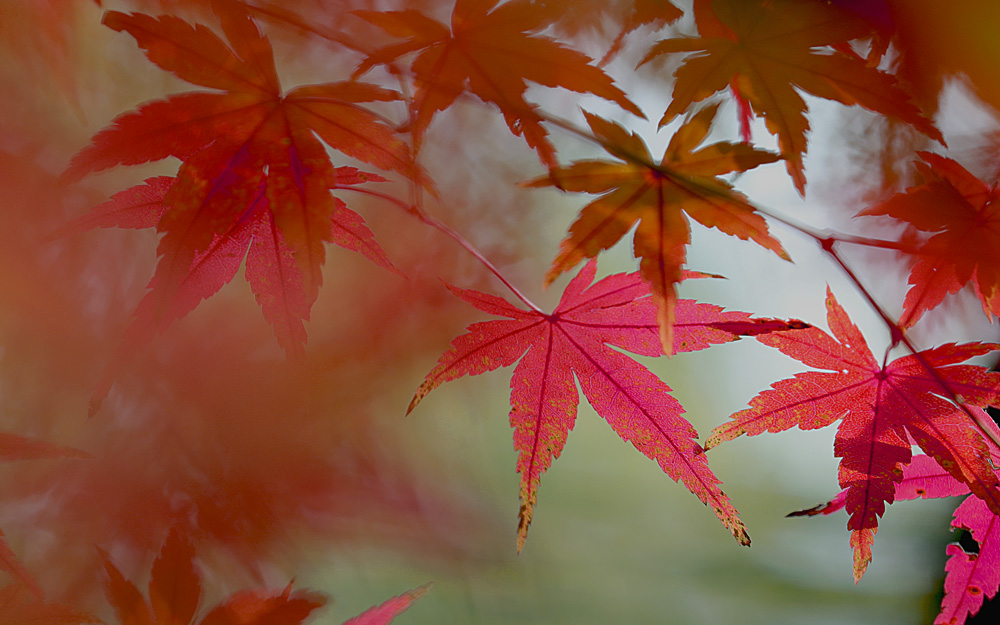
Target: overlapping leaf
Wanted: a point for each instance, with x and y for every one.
(767, 50)
(657, 195)
(577, 339)
(253, 169)
(963, 212)
(271, 270)
(618, 17)
(175, 595)
(969, 577)
(880, 409)
(492, 52)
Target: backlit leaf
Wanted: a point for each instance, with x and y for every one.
(492, 52)
(880, 408)
(963, 215)
(576, 340)
(660, 197)
(769, 50)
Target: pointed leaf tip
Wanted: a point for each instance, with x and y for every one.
(578, 341)
(384, 613)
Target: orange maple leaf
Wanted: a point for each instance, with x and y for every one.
(657, 195)
(963, 212)
(768, 50)
(234, 144)
(489, 51)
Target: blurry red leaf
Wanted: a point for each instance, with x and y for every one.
(384, 613)
(14, 447)
(963, 212)
(13, 566)
(124, 597)
(265, 608)
(252, 160)
(175, 592)
(174, 587)
(271, 269)
(19, 605)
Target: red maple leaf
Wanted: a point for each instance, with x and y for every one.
(175, 594)
(658, 195)
(385, 612)
(963, 212)
(969, 577)
(489, 51)
(577, 338)
(252, 159)
(880, 409)
(767, 50)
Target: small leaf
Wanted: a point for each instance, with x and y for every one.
(384, 613)
(175, 587)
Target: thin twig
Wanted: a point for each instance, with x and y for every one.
(420, 214)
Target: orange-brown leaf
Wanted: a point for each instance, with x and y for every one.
(769, 50)
(658, 196)
(492, 52)
(880, 409)
(19, 605)
(963, 213)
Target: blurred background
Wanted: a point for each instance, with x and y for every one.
(310, 471)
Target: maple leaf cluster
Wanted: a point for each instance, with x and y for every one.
(263, 183)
